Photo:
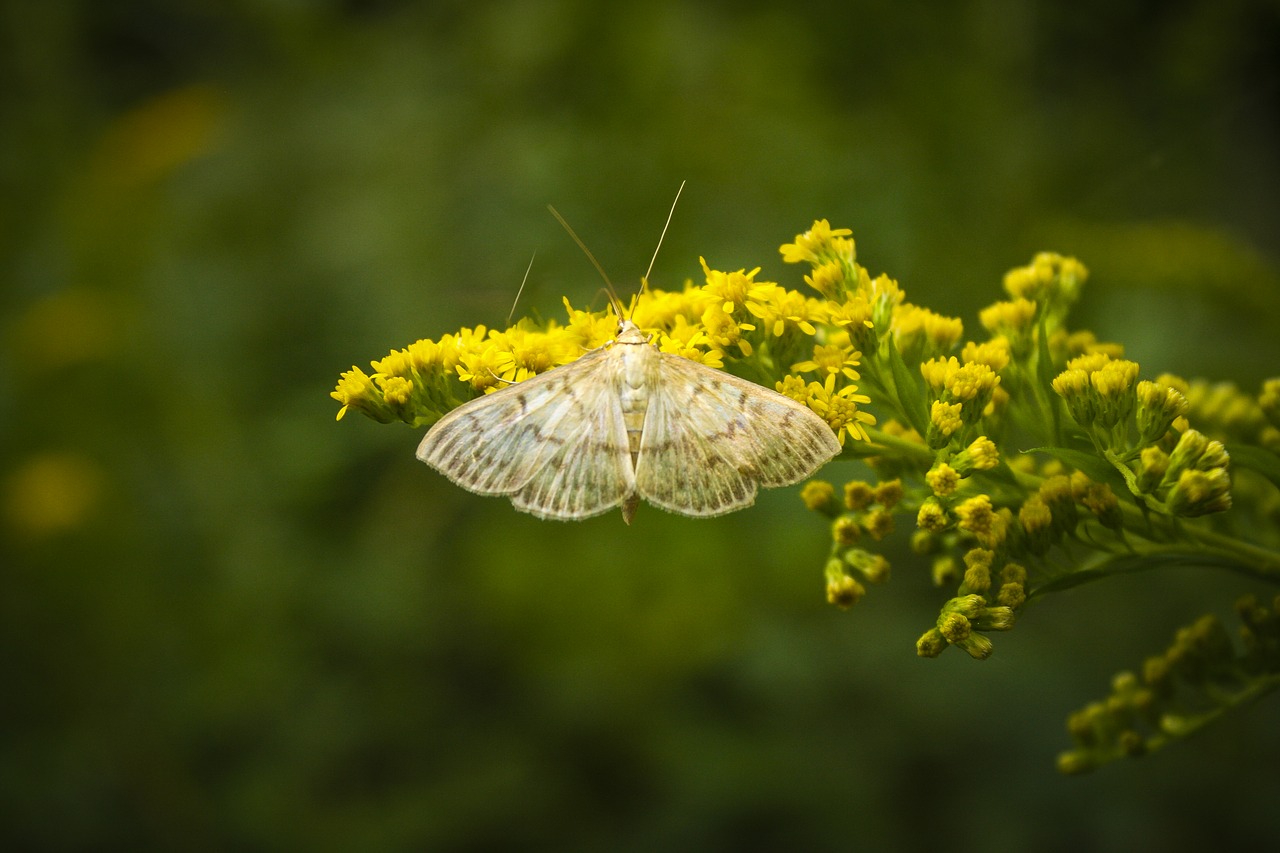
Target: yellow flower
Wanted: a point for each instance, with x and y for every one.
(723, 331)
(1158, 407)
(946, 417)
(657, 310)
(1115, 379)
(1102, 502)
(854, 316)
(874, 567)
(1115, 385)
(528, 352)
(451, 348)
(942, 332)
(937, 372)
(858, 495)
(918, 331)
(879, 524)
(1012, 593)
(1015, 316)
(1200, 492)
(943, 480)
(843, 591)
(394, 363)
(1058, 494)
(845, 531)
(820, 496)
(932, 516)
(1195, 450)
(396, 391)
(354, 389)
(689, 341)
(1089, 362)
(977, 516)
(794, 387)
(1036, 519)
(931, 644)
(958, 624)
(788, 308)
(422, 357)
(1050, 278)
(827, 279)
(1071, 382)
(1014, 320)
(736, 290)
(1073, 386)
(979, 557)
(977, 578)
(1098, 389)
(831, 359)
(889, 492)
(852, 312)
(972, 382)
(480, 368)
(993, 353)
(590, 329)
(884, 294)
(1082, 342)
(840, 408)
(819, 241)
(981, 455)
(1153, 463)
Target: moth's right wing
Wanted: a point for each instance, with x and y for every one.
(556, 443)
(711, 439)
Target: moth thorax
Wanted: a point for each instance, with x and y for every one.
(633, 390)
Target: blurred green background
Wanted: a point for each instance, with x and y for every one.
(230, 623)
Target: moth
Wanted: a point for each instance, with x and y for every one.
(626, 422)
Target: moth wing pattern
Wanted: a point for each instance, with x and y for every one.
(555, 443)
(711, 439)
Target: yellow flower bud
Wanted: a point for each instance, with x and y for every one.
(942, 479)
(820, 496)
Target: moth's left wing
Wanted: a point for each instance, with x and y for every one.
(555, 444)
(710, 439)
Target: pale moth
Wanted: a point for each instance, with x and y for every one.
(627, 421)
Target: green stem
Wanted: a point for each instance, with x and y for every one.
(883, 393)
(901, 446)
(1265, 562)
(1257, 687)
(1158, 557)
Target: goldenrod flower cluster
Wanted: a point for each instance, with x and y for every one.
(804, 346)
(1202, 675)
(1036, 458)
(1023, 460)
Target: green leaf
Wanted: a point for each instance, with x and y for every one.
(1044, 380)
(1082, 460)
(1257, 459)
(910, 391)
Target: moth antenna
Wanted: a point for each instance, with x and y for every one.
(523, 282)
(644, 282)
(613, 296)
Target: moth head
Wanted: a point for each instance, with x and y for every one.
(629, 333)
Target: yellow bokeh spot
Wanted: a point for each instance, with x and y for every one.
(52, 493)
(70, 327)
(151, 141)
